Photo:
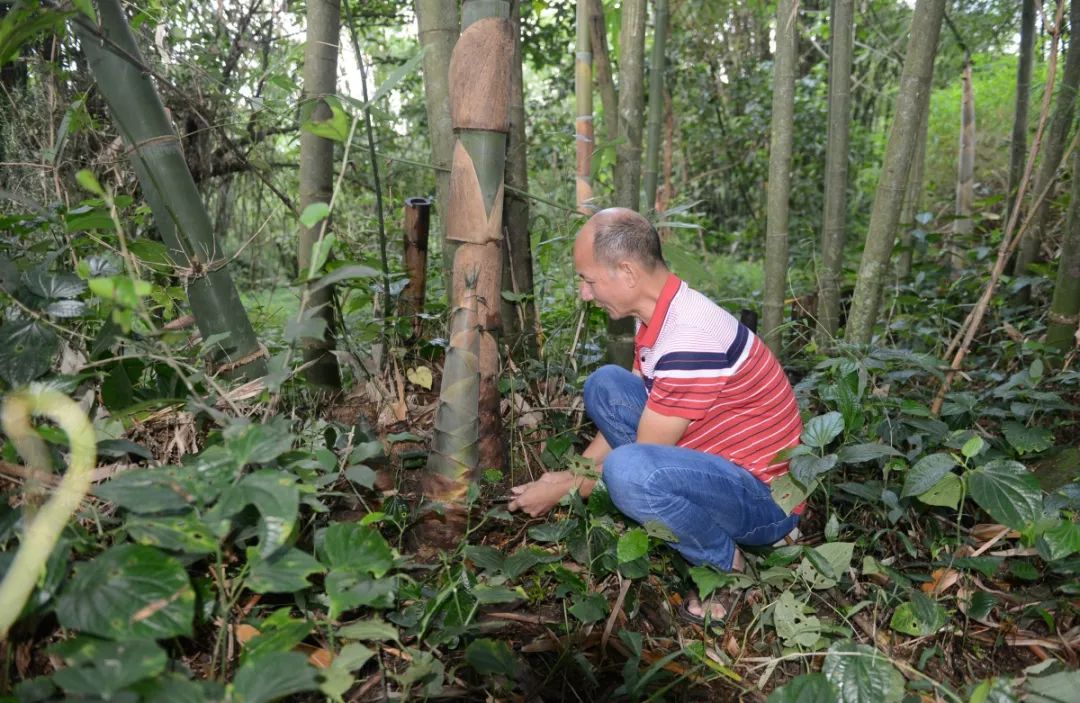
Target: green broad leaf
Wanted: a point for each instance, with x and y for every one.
(22, 23)
(130, 591)
(1007, 491)
(273, 677)
(275, 495)
(548, 532)
(945, 493)
(520, 561)
(487, 558)
(395, 437)
(861, 674)
(89, 182)
(172, 687)
(103, 668)
(151, 253)
(987, 566)
(1027, 440)
(590, 607)
(185, 533)
(1054, 688)
(1023, 570)
(122, 290)
(85, 218)
(277, 633)
(981, 604)
(66, 308)
(343, 273)
(347, 591)
(633, 544)
(320, 253)
(361, 475)
(926, 473)
(488, 595)
(52, 286)
(489, 657)
(335, 127)
(287, 571)
(789, 493)
(807, 467)
(707, 580)
(658, 530)
(308, 327)
(370, 630)
(807, 688)
(27, 349)
(919, 617)
(972, 447)
(821, 430)
(1062, 540)
(251, 443)
(314, 213)
(354, 548)
(146, 491)
(858, 453)
(832, 555)
(794, 626)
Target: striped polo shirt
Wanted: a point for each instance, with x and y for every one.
(700, 363)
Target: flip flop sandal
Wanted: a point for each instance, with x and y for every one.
(727, 600)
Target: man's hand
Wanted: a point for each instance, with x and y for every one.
(541, 495)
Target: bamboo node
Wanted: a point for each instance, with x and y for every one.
(260, 353)
(1059, 319)
(160, 139)
(198, 270)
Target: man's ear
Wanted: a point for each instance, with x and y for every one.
(629, 273)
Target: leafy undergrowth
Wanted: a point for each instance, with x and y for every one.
(267, 565)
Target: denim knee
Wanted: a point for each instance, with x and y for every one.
(625, 473)
(598, 383)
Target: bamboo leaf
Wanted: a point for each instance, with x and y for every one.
(343, 273)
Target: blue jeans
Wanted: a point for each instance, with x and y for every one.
(709, 503)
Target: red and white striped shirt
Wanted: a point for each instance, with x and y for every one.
(700, 363)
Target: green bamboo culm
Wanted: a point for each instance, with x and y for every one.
(180, 215)
(656, 102)
(44, 529)
(1061, 330)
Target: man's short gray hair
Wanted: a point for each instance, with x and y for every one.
(631, 236)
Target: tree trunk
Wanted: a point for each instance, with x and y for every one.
(620, 347)
(437, 29)
(583, 100)
(779, 188)
(913, 196)
(965, 175)
(1060, 124)
(417, 230)
(1061, 330)
(479, 93)
(317, 179)
(834, 219)
(518, 313)
(656, 102)
(915, 82)
(179, 212)
(605, 80)
(1018, 145)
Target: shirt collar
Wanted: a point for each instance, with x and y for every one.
(648, 332)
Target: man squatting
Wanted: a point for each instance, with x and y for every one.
(689, 438)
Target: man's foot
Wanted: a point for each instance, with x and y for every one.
(717, 606)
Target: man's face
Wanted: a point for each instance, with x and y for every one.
(604, 286)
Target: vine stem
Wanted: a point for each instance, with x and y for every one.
(44, 530)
